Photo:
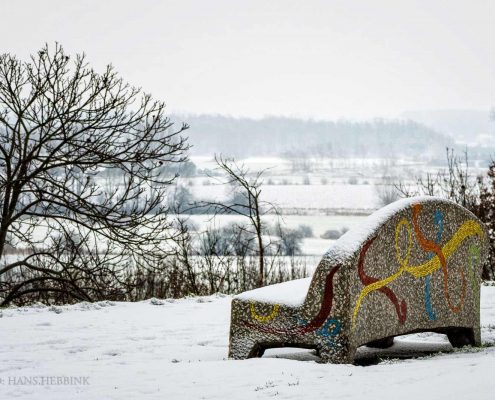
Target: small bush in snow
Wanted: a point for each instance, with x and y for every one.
(334, 234)
(305, 231)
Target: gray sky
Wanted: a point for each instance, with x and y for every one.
(324, 59)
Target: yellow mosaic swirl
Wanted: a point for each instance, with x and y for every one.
(263, 318)
(467, 229)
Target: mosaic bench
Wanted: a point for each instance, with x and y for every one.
(412, 266)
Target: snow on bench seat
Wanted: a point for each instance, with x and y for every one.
(290, 293)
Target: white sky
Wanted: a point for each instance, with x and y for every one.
(324, 59)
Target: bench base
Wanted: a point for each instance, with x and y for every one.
(245, 347)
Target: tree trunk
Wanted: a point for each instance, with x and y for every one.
(262, 262)
(261, 276)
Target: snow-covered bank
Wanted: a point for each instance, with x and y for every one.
(163, 349)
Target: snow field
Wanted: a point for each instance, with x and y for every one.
(177, 349)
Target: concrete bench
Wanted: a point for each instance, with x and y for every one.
(412, 266)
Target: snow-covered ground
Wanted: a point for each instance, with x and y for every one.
(318, 223)
(311, 198)
(166, 349)
(325, 185)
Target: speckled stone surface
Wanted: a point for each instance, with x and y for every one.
(416, 266)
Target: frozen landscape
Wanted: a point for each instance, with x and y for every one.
(158, 158)
(177, 349)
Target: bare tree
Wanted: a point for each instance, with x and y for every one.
(455, 183)
(386, 191)
(63, 128)
(245, 201)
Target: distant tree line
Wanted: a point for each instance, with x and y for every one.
(243, 137)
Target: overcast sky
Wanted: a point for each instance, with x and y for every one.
(324, 59)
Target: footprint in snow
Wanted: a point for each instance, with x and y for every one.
(44, 324)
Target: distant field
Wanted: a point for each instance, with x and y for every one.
(306, 197)
(320, 224)
(323, 193)
(318, 186)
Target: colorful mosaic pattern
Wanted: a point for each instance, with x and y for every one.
(307, 326)
(263, 318)
(467, 229)
(427, 292)
(424, 261)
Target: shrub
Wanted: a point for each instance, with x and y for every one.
(305, 231)
(334, 234)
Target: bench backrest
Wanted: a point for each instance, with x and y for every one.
(413, 265)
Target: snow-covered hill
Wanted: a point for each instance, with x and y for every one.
(177, 349)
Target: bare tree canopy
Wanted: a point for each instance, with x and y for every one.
(245, 201)
(64, 128)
